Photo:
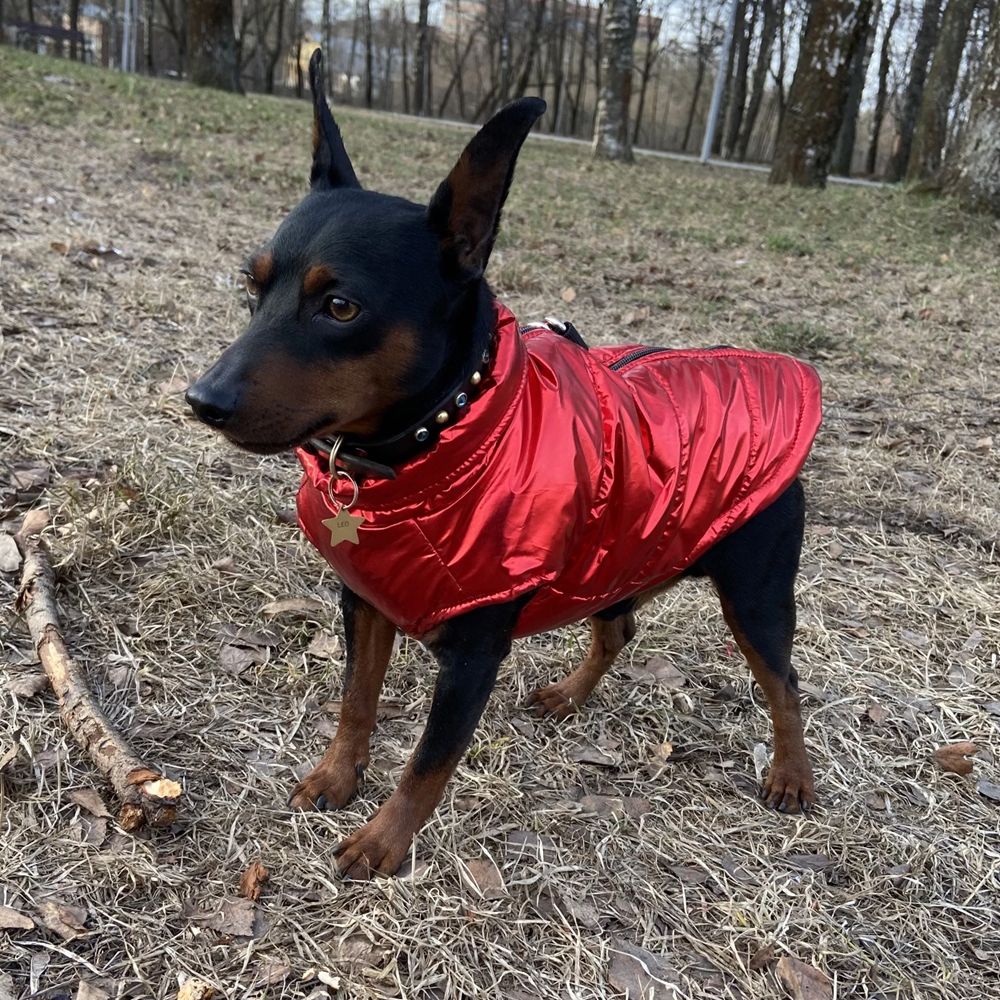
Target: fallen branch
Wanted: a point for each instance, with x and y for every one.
(146, 795)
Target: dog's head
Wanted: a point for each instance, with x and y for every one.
(361, 301)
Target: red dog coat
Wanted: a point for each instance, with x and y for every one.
(587, 476)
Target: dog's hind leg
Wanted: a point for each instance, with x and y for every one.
(610, 633)
(754, 572)
(369, 636)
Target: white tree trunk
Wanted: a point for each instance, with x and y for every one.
(611, 131)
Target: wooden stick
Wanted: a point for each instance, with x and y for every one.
(146, 795)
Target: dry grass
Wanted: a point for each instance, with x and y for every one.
(166, 540)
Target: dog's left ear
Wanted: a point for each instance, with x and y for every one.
(331, 166)
(465, 209)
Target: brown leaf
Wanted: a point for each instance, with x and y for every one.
(88, 799)
(227, 564)
(91, 991)
(324, 646)
(954, 757)
(803, 982)
(610, 805)
(988, 789)
(877, 713)
(690, 875)
(762, 958)
(587, 753)
(529, 845)
(10, 557)
(10, 753)
(237, 918)
(34, 521)
(640, 974)
(657, 670)
(196, 989)
(305, 606)
(64, 920)
(29, 476)
(237, 659)
(59, 246)
(568, 295)
(27, 685)
(486, 878)
(811, 862)
(15, 920)
(272, 972)
(253, 879)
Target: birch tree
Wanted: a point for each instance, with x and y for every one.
(612, 140)
(974, 171)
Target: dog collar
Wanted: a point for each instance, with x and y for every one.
(375, 458)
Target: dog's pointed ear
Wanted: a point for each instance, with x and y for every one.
(465, 209)
(331, 166)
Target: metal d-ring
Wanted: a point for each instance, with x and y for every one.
(335, 474)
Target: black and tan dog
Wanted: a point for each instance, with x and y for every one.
(369, 316)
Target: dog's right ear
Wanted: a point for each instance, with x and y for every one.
(331, 166)
(465, 209)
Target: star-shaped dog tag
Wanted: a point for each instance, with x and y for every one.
(344, 527)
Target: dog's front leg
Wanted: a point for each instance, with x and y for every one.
(369, 636)
(469, 650)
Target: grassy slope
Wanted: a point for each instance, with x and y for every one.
(896, 300)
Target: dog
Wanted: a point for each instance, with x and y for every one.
(472, 481)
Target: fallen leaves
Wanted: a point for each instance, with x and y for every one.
(252, 880)
(954, 757)
(640, 974)
(803, 982)
(10, 556)
(657, 670)
(196, 989)
(568, 295)
(305, 607)
(87, 798)
(27, 684)
(485, 878)
(62, 919)
(988, 790)
(587, 753)
(15, 920)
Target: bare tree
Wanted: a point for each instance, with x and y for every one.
(211, 44)
(768, 31)
(746, 20)
(878, 114)
(819, 89)
(973, 172)
(932, 125)
(366, 7)
(843, 150)
(704, 45)
(923, 47)
(611, 132)
(421, 96)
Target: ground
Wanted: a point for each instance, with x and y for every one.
(620, 852)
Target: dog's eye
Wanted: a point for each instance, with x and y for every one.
(342, 310)
(252, 290)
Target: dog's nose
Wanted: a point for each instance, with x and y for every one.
(209, 406)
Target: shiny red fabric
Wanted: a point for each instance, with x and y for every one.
(585, 484)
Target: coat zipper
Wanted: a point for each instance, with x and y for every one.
(627, 359)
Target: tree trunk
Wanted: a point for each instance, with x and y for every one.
(974, 170)
(932, 125)
(611, 131)
(727, 86)
(421, 105)
(558, 75)
(843, 150)
(275, 54)
(369, 53)
(533, 43)
(698, 78)
(878, 114)
(738, 86)
(818, 92)
(326, 28)
(74, 24)
(923, 46)
(581, 77)
(211, 44)
(768, 31)
(598, 36)
(649, 58)
(404, 27)
(150, 12)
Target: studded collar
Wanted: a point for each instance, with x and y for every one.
(375, 458)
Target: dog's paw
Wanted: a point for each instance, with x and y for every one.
(553, 702)
(378, 848)
(789, 788)
(327, 786)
